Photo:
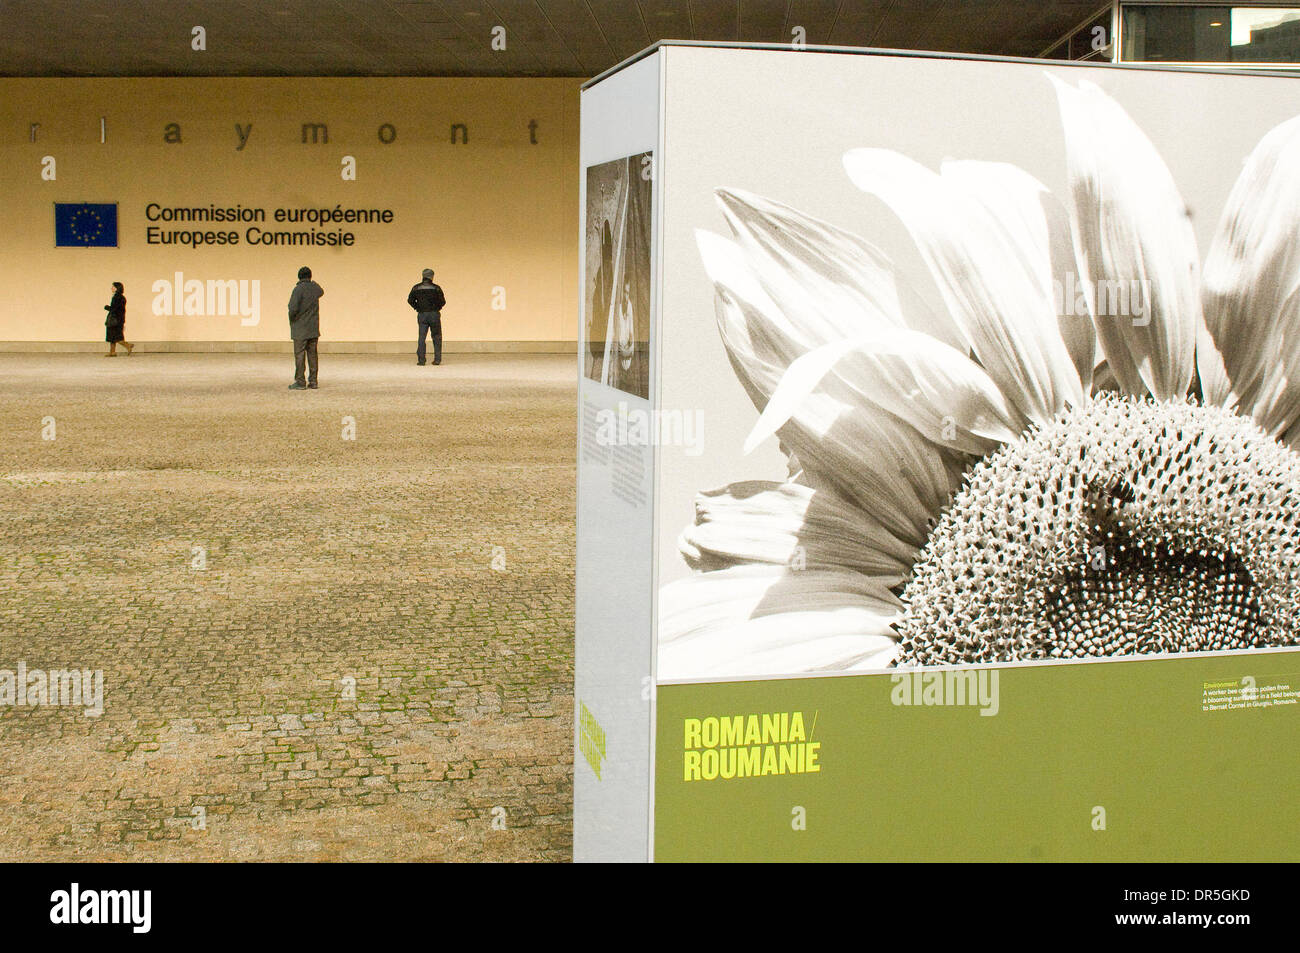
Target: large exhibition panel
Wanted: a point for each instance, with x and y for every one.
(964, 392)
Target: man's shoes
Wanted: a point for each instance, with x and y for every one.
(311, 386)
(419, 363)
(296, 386)
(436, 363)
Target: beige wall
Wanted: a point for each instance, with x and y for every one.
(495, 213)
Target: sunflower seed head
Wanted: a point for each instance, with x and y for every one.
(1122, 527)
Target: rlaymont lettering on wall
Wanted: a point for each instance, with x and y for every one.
(309, 133)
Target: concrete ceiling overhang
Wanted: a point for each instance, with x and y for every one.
(455, 37)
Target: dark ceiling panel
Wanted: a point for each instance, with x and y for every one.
(667, 19)
(816, 18)
(420, 11)
(477, 20)
(763, 21)
(525, 22)
(454, 37)
(622, 25)
(911, 24)
(711, 19)
(988, 26)
(857, 21)
(573, 20)
(1026, 36)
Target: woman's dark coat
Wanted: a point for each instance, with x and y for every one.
(116, 319)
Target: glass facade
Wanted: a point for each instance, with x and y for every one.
(1179, 32)
(1164, 33)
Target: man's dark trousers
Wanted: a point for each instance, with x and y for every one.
(304, 353)
(430, 324)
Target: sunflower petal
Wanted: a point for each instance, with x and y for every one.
(986, 270)
(1035, 222)
(1252, 288)
(1133, 235)
(938, 391)
(875, 460)
(1012, 198)
(829, 281)
(1074, 315)
(760, 344)
(798, 382)
(787, 524)
(746, 622)
(903, 489)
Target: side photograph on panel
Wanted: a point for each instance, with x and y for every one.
(617, 295)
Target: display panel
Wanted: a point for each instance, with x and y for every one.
(993, 369)
(613, 720)
(975, 502)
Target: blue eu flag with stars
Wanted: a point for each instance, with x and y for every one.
(85, 225)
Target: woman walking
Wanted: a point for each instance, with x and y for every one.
(116, 322)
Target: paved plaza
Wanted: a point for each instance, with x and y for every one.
(332, 624)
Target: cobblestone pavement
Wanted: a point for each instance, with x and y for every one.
(312, 647)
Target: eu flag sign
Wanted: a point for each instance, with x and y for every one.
(85, 225)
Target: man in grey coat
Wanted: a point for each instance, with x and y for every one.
(304, 327)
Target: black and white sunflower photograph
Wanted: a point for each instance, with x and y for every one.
(1083, 447)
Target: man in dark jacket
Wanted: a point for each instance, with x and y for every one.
(428, 300)
(304, 327)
